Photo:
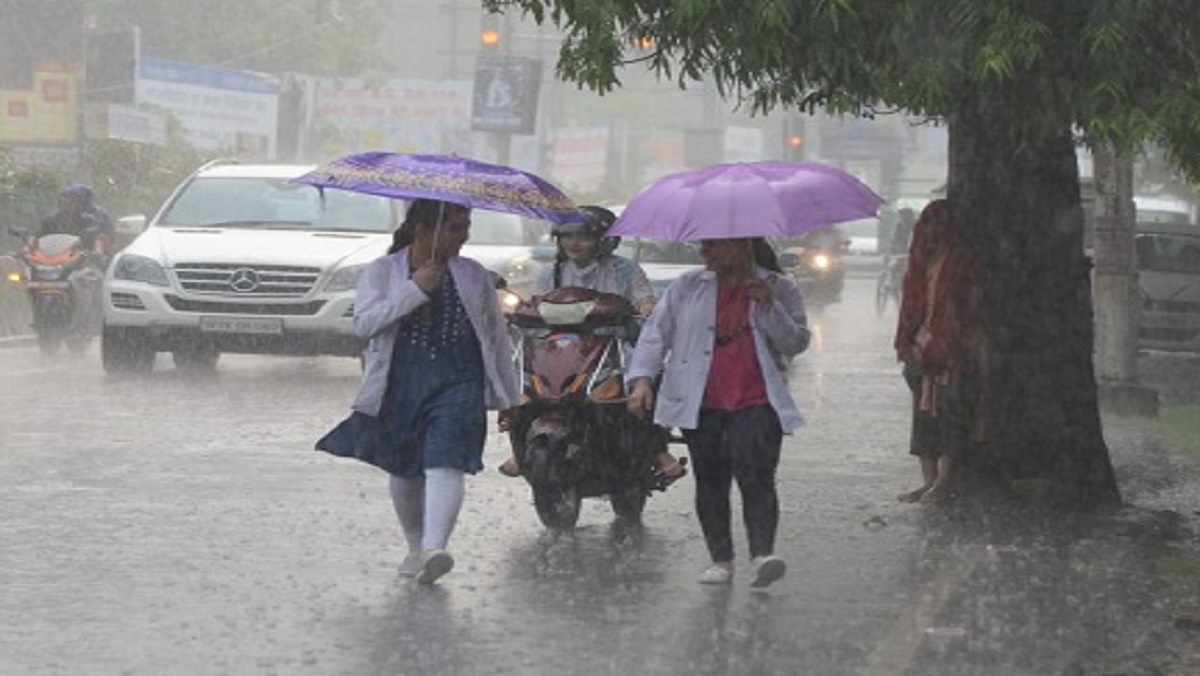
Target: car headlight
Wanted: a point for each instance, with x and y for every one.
(140, 269)
(345, 279)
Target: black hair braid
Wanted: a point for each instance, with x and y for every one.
(764, 255)
(420, 212)
(559, 260)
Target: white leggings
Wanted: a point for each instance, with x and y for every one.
(428, 508)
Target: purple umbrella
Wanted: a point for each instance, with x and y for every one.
(448, 178)
(753, 199)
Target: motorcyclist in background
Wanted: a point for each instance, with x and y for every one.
(585, 259)
(77, 214)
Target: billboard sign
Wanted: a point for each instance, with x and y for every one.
(506, 94)
(43, 114)
(428, 116)
(219, 108)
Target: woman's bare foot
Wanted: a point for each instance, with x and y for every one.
(938, 492)
(913, 496)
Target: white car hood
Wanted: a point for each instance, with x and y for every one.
(307, 248)
(496, 257)
(863, 246)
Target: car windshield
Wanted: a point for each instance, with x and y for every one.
(1168, 253)
(255, 202)
(651, 251)
(494, 228)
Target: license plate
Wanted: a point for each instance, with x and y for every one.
(256, 325)
(48, 285)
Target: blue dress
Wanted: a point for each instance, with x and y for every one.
(433, 412)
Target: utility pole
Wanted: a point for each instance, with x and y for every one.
(1113, 286)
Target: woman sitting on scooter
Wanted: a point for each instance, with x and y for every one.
(585, 259)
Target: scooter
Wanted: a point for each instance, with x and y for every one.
(572, 433)
(63, 282)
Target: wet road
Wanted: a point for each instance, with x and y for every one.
(168, 525)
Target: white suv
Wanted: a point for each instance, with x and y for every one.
(240, 259)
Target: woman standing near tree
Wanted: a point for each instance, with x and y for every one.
(940, 340)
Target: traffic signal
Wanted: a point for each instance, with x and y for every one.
(793, 139)
(489, 33)
(795, 147)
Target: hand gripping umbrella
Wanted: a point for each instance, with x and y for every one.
(752, 199)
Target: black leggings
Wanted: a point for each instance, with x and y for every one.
(742, 445)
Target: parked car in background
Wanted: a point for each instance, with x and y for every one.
(239, 259)
(662, 261)
(508, 245)
(1168, 277)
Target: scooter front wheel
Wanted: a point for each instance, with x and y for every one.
(629, 503)
(557, 507)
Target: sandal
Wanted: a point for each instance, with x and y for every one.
(663, 478)
(510, 468)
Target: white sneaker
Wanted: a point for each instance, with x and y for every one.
(436, 563)
(715, 574)
(767, 569)
(412, 564)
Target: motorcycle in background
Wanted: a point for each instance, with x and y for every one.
(820, 273)
(572, 433)
(63, 281)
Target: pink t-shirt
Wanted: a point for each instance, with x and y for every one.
(735, 379)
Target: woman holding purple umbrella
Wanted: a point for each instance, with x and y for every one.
(723, 338)
(438, 357)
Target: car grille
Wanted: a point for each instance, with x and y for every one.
(264, 281)
(1173, 306)
(216, 307)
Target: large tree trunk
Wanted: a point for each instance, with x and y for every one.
(1020, 203)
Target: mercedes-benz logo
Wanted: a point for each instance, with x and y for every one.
(243, 280)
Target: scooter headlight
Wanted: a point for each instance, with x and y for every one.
(14, 277)
(821, 262)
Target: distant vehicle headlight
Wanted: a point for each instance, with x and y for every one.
(136, 268)
(508, 300)
(518, 268)
(345, 279)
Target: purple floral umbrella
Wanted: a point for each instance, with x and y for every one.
(751, 199)
(448, 178)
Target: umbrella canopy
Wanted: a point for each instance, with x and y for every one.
(751, 199)
(447, 178)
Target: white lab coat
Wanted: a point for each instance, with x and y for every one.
(385, 294)
(678, 338)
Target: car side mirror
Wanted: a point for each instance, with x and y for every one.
(788, 259)
(130, 225)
